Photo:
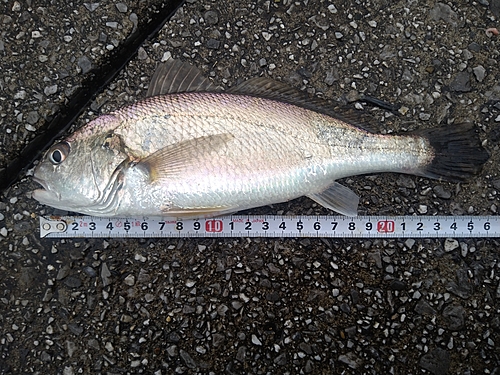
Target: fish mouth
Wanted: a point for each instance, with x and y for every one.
(44, 195)
(41, 182)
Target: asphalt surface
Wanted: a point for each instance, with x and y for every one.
(263, 306)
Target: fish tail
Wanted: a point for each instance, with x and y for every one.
(458, 153)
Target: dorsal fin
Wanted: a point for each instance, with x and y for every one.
(174, 76)
(270, 89)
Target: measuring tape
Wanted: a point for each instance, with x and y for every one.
(273, 226)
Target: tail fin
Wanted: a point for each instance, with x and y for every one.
(458, 152)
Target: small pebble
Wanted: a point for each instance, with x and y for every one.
(256, 341)
(450, 244)
(129, 280)
(122, 7)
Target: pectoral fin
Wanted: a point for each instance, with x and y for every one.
(338, 198)
(175, 160)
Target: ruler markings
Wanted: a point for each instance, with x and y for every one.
(272, 226)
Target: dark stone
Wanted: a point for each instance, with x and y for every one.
(213, 44)
(211, 17)
(397, 285)
(454, 316)
(188, 360)
(423, 308)
(495, 7)
(85, 64)
(73, 282)
(436, 361)
(442, 192)
(345, 308)
(281, 360)
(461, 82)
(463, 287)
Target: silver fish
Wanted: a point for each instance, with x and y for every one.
(191, 150)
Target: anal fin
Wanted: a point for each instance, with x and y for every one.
(338, 198)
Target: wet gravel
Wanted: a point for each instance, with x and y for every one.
(263, 306)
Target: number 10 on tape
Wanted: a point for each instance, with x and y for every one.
(273, 226)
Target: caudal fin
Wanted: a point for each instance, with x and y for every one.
(458, 152)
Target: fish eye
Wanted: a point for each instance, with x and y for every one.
(59, 152)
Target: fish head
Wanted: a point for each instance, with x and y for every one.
(81, 175)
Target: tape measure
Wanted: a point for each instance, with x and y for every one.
(273, 226)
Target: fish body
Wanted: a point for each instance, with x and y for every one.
(209, 153)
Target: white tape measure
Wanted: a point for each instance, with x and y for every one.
(273, 226)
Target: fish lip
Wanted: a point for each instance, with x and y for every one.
(45, 194)
(41, 182)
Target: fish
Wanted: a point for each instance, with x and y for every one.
(191, 149)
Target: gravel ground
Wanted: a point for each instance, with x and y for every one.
(263, 306)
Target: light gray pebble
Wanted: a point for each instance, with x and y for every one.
(479, 72)
(172, 350)
(50, 90)
(422, 208)
(70, 348)
(442, 192)
(105, 275)
(91, 6)
(211, 17)
(20, 95)
(63, 272)
(84, 64)
(406, 181)
(450, 244)
(256, 341)
(122, 7)
(424, 116)
(129, 280)
(409, 243)
(142, 54)
(32, 117)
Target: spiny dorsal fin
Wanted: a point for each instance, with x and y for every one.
(268, 88)
(174, 76)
